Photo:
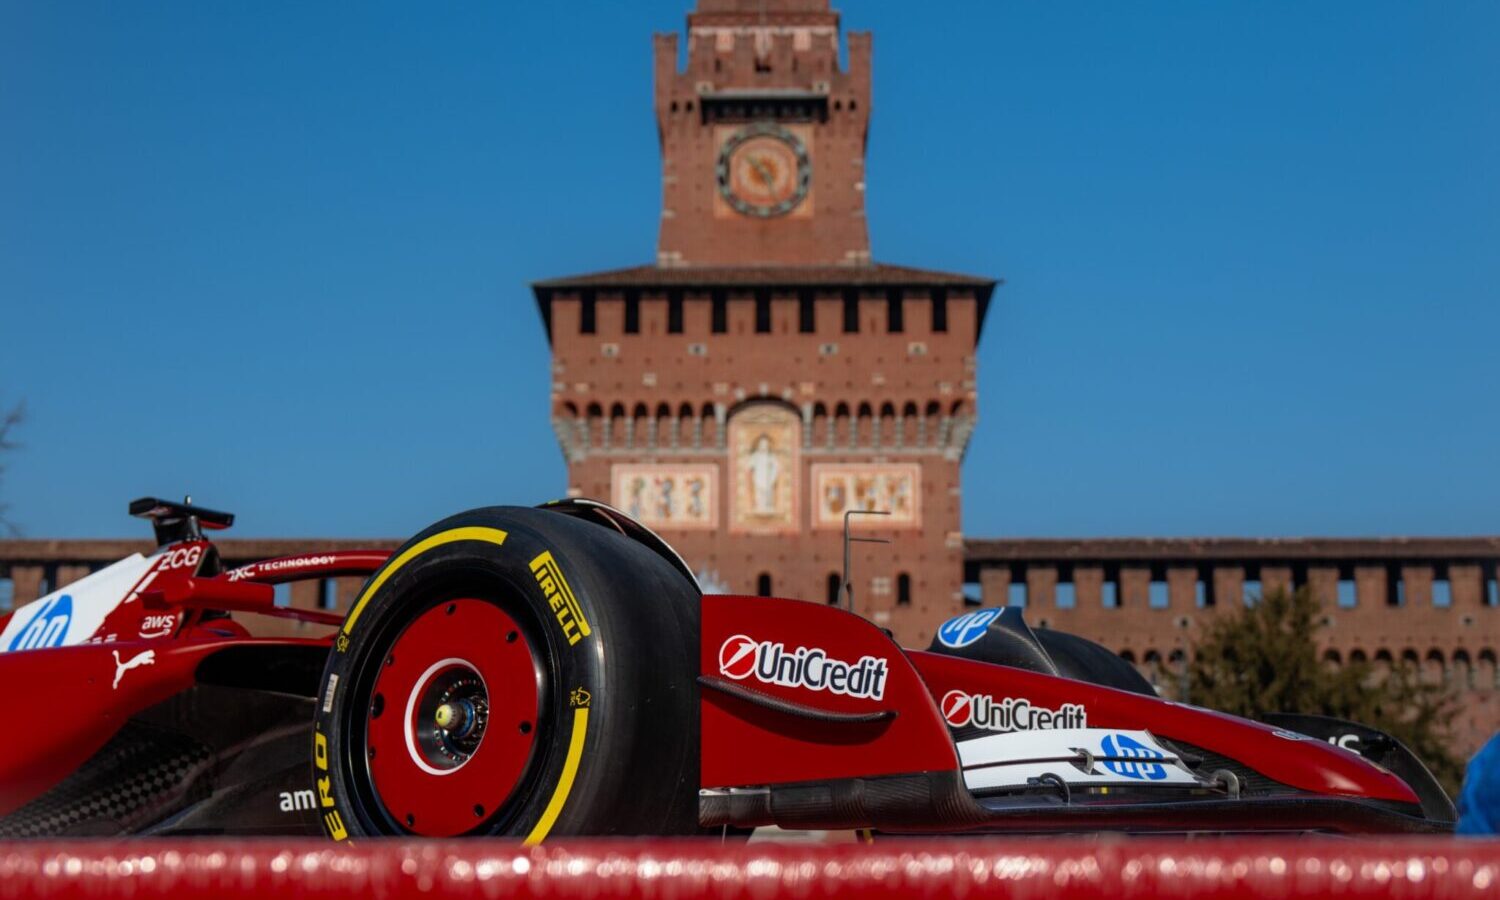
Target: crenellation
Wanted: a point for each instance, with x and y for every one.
(1041, 587)
(653, 315)
(1275, 577)
(1135, 587)
(873, 313)
(609, 315)
(1182, 588)
(1417, 582)
(1370, 589)
(1466, 583)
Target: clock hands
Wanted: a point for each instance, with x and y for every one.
(764, 172)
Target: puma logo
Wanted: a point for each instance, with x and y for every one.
(144, 658)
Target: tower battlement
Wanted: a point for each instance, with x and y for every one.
(763, 138)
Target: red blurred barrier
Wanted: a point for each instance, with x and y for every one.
(1000, 867)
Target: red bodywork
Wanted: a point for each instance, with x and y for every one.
(745, 744)
(1315, 766)
(72, 700)
(747, 740)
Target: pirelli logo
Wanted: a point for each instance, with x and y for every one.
(560, 597)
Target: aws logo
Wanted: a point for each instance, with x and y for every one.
(48, 627)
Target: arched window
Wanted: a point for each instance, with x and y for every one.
(885, 425)
(910, 422)
(864, 427)
(1434, 669)
(763, 585)
(927, 428)
(636, 427)
(833, 588)
(903, 589)
(1151, 662)
(660, 432)
(712, 433)
(839, 427)
(616, 425)
(1489, 673)
(1463, 670)
(685, 426)
(596, 425)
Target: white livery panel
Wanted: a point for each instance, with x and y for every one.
(1079, 756)
(71, 615)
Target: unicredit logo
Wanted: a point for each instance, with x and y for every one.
(958, 708)
(737, 657)
(1008, 713)
(742, 656)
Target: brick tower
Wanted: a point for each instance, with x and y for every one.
(765, 375)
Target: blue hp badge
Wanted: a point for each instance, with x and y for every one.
(961, 631)
(1124, 748)
(48, 627)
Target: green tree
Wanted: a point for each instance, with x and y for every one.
(1263, 658)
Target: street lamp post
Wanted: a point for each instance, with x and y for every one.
(848, 587)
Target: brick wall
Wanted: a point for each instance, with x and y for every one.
(1431, 601)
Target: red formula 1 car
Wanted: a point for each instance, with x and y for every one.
(557, 671)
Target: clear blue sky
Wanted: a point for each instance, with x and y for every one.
(276, 254)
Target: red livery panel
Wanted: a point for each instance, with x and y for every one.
(815, 658)
(1315, 766)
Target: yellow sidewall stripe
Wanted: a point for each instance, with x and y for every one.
(492, 535)
(580, 716)
(565, 783)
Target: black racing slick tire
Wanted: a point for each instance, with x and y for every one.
(518, 672)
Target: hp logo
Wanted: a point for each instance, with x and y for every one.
(48, 627)
(961, 631)
(1123, 747)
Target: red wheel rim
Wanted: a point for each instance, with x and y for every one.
(453, 718)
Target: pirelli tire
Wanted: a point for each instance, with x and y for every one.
(568, 651)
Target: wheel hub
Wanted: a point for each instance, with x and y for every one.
(460, 707)
(452, 719)
(459, 719)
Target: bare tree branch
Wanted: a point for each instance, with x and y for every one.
(9, 422)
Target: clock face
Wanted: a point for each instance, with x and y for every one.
(764, 170)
